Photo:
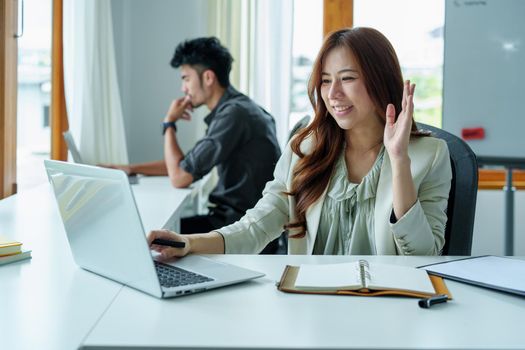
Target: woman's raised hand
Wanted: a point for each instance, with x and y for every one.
(397, 132)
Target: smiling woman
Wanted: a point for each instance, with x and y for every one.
(357, 75)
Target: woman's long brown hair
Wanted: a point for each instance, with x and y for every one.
(379, 67)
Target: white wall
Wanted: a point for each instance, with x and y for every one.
(146, 33)
(489, 237)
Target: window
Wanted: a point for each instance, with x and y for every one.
(307, 40)
(415, 29)
(34, 75)
(45, 121)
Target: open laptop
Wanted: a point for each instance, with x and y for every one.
(77, 158)
(106, 236)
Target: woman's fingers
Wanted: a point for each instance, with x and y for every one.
(390, 114)
(166, 250)
(406, 91)
(165, 234)
(405, 118)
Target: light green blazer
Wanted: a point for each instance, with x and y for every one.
(419, 232)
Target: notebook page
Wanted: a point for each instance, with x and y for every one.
(329, 276)
(383, 276)
(492, 270)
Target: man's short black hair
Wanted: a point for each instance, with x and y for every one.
(207, 53)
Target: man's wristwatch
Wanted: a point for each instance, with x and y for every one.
(166, 125)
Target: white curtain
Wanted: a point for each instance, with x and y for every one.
(259, 34)
(270, 81)
(91, 86)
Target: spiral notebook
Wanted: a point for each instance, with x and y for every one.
(361, 278)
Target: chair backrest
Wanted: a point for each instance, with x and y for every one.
(303, 122)
(463, 192)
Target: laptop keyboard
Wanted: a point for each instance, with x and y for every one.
(171, 276)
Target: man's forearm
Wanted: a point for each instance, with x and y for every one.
(156, 168)
(173, 156)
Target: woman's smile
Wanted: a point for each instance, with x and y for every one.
(342, 110)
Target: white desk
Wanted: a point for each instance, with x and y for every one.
(159, 204)
(257, 315)
(48, 302)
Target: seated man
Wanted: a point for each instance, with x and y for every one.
(240, 140)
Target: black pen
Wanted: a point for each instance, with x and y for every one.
(169, 243)
(428, 302)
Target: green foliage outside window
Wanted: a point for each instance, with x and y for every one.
(428, 96)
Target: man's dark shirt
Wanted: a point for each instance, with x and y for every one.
(241, 141)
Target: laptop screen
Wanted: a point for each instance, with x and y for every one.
(77, 158)
(72, 146)
(102, 223)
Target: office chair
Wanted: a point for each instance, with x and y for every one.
(463, 192)
(280, 244)
(302, 123)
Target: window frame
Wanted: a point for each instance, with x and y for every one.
(337, 14)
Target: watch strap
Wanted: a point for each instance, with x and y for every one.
(167, 125)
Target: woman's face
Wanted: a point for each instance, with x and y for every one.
(343, 90)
